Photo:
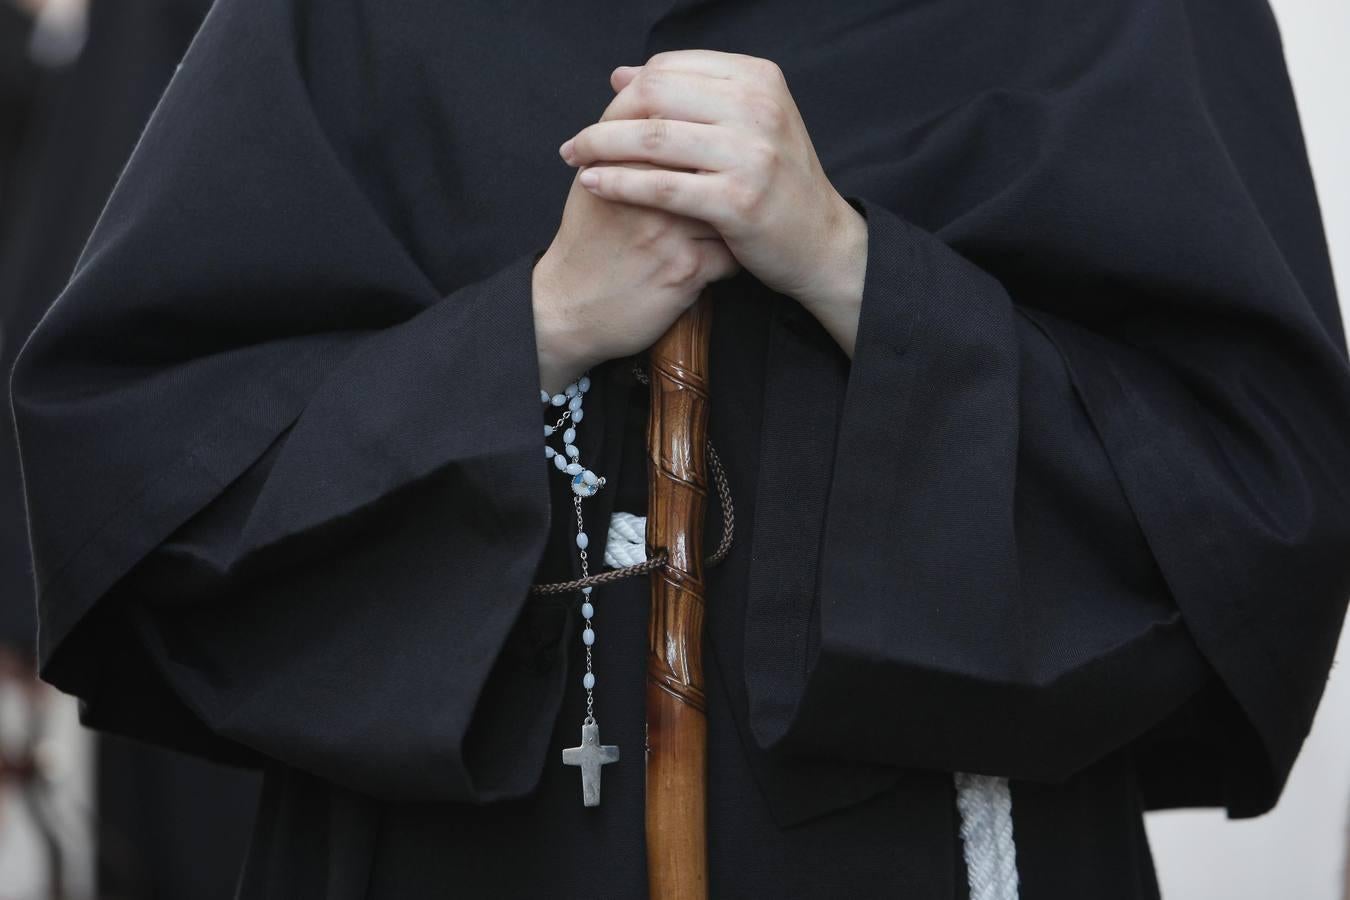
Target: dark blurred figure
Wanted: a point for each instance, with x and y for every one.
(169, 826)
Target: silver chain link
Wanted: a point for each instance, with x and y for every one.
(562, 419)
(585, 598)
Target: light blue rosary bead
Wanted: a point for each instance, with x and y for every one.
(582, 541)
(574, 404)
(576, 415)
(559, 461)
(586, 591)
(588, 637)
(584, 383)
(543, 395)
(589, 477)
(587, 610)
(559, 400)
(573, 469)
(572, 450)
(571, 390)
(548, 430)
(588, 680)
(569, 436)
(549, 452)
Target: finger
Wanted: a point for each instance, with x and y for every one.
(665, 142)
(717, 261)
(681, 193)
(699, 231)
(622, 76)
(677, 95)
(716, 63)
(712, 63)
(687, 225)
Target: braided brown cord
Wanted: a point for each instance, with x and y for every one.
(613, 575)
(728, 510)
(723, 546)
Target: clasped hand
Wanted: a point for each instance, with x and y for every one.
(711, 147)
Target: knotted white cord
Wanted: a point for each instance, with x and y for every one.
(984, 801)
(627, 541)
(987, 836)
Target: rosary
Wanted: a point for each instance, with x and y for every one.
(591, 755)
(983, 801)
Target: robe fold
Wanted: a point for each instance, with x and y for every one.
(1075, 513)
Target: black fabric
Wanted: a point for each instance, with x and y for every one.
(169, 826)
(19, 83)
(166, 826)
(1074, 513)
(63, 153)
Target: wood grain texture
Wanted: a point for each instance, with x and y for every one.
(677, 728)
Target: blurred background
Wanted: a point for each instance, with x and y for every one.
(85, 816)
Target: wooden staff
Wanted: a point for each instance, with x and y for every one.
(677, 721)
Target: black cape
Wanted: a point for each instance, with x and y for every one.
(1075, 513)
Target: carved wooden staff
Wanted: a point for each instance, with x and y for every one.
(677, 722)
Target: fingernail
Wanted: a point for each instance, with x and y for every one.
(589, 178)
(566, 150)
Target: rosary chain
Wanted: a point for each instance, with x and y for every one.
(585, 571)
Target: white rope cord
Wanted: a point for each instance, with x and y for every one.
(987, 836)
(984, 801)
(627, 541)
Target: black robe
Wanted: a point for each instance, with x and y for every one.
(1076, 512)
(153, 839)
(77, 126)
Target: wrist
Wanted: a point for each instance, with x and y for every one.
(846, 261)
(563, 353)
(836, 300)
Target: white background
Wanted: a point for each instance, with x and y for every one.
(1297, 851)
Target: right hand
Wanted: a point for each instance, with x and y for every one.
(615, 277)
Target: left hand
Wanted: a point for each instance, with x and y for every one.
(730, 148)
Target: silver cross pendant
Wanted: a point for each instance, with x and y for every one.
(590, 756)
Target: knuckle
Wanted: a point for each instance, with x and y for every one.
(683, 264)
(744, 198)
(763, 156)
(649, 83)
(770, 71)
(651, 230)
(664, 188)
(654, 134)
(660, 60)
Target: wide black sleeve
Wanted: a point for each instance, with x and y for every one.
(1090, 486)
(379, 653)
(286, 491)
